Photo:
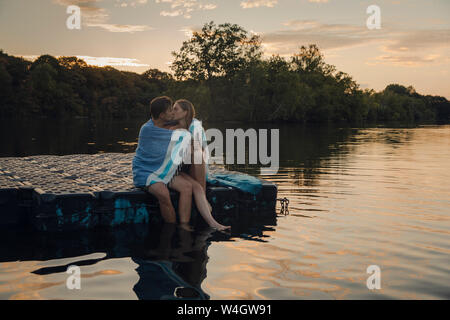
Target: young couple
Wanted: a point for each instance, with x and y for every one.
(151, 164)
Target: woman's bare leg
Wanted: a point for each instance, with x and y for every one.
(198, 173)
(184, 187)
(202, 203)
(198, 167)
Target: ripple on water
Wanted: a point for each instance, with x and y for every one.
(377, 196)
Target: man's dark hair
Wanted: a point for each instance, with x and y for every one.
(159, 105)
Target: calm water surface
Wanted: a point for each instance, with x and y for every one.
(358, 197)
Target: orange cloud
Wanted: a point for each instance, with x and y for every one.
(185, 7)
(247, 4)
(101, 61)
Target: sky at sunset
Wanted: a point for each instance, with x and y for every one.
(412, 47)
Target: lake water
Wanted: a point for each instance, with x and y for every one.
(358, 197)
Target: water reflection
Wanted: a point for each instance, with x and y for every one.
(59, 137)
(358, 196)
(170, 261)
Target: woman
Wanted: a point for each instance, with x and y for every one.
(184, 113)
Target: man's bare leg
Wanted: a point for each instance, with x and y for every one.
(184, 187)
(160, 191)
(165, 242)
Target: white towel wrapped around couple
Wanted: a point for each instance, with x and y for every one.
(161, 152)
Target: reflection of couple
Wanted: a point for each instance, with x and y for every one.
(155, 170)
(173, 263)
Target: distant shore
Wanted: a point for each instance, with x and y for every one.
(68, 88)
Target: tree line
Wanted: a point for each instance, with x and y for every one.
(222, 70)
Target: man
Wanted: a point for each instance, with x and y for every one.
(161, 116)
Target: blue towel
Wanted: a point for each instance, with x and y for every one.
(243, 182)
(159, 154)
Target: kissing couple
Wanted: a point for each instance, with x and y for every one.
(172, 131)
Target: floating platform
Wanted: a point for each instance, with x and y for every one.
(71, 192)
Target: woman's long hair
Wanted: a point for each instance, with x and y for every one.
(186, 105)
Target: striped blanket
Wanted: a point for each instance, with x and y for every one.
(159, 154)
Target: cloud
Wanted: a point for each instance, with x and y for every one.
(175, 13)
(101, 61)
(120, 27)
(414, 40)
(188, 31)
(326, 36)
(94, 16)
(90, 11)
(113, 62)
(185, 7)
(247, 4)
(407, 61)
(415, 48)
(208, 6)
(364, 85)
(127, 3)
(398, 47)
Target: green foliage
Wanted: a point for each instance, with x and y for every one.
(222, 71)
(400, 103)
(310, 60)
(67, 87)
(215, 51)
(303, 88)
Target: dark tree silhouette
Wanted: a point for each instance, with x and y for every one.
(222, 71)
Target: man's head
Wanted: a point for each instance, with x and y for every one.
(161, 108)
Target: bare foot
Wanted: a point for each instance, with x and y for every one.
(186, 226)
(220, 227)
